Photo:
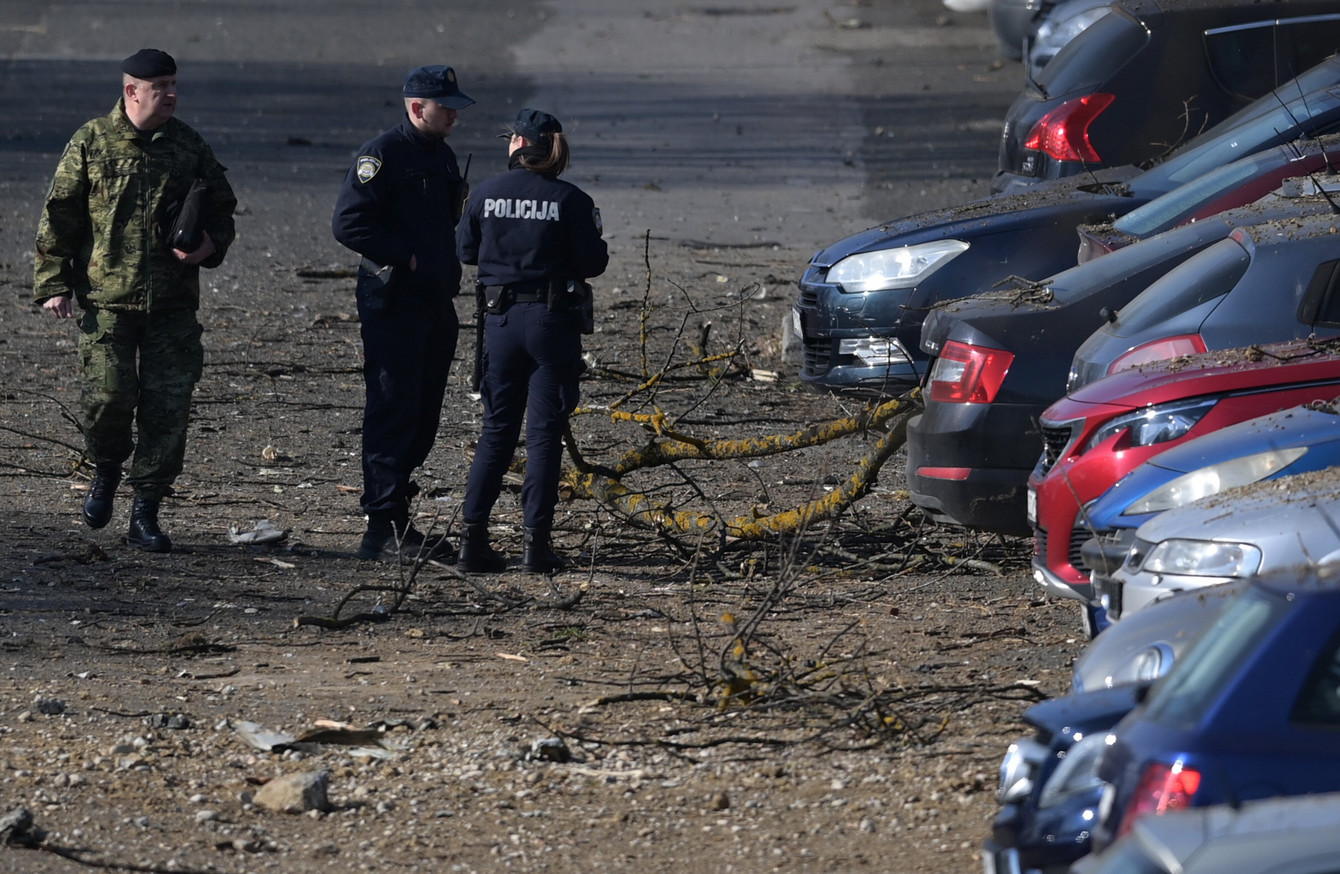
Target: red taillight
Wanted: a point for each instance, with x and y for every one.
(1162, 788)
(1159, 350)
(1063, 133)
(966, 374)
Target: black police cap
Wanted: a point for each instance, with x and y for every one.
(149, 64)
(535, 125)
(437, 83)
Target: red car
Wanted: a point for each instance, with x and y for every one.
(1098, 434)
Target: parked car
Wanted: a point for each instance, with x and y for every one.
(1049, 790)
(1294, 835)
(1094, 436)
(1256, 529)
(1284, 444)
(1149, 75)
(1250, 710)
(1265, 283)
(862, 300)
(998, 359)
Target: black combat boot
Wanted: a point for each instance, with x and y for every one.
(144, 531)
(477, 556)
(98, 504)
(538, 557)
(393, 539)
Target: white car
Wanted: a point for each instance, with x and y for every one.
(1255, 529)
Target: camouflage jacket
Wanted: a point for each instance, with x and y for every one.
(99, 234)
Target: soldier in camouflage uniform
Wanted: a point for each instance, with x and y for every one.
(102, 241)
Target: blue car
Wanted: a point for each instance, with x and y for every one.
(1251, 710)
(1297, 440)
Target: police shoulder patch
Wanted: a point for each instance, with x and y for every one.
(368, 167)
(595, 215)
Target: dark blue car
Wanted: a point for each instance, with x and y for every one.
(1251, 710)
(862, 300)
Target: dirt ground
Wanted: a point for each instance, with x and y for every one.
(527, 724)
(837, 699)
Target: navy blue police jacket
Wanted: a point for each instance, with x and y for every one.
(399, 200)
(521, 227)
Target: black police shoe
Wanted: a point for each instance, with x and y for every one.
(144, 533)
(538, 557)
(477, 556)
(97, 509)
(380, 544)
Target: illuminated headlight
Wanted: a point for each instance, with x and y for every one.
(902, 267)
(1154, 424)
(1213, 479)
(1203, 558)
(1078, 772)
(875, 351)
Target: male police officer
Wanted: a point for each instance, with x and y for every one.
(398, 208)
(102, 239)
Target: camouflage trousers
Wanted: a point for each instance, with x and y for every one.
(139, 371)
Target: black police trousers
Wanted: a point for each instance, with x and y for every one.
(532, 366)
(408, 344)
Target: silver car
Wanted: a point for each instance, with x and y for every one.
(1255, 529)
(1296, 834)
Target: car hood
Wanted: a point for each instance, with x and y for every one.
(1085, 712)
(1069, 200)
(1299, 515)
(1187, 376)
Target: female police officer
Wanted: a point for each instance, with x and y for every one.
(534, 238)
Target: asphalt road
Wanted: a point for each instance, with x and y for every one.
(738, 123)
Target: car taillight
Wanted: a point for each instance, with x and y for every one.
(966, 374)
(1159, 350)
(1162, 788)
(1063, 133)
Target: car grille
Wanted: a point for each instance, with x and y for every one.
(1055, 439)
(818, 353)
(1078, 535)
(809, 296)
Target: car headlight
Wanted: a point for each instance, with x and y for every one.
(1153, 425)
(1078, 772)
(1203, 558)
(902, 267)
(1017, 769)
(1214, 478)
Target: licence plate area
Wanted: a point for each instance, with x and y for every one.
(795, 324)
(1000, 861)
(1032, 508)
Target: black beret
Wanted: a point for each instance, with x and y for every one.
(437, 83)
(149, 64)
(535, 125)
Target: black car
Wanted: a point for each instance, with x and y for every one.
(862, 300)
(1001, 358)
(1153, 73)
(1265, 283)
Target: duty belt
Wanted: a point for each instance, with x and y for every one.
(526, 292)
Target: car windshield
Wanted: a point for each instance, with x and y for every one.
(1270, 119)
(1204, 276)
(1170, 209)
(1204, 671)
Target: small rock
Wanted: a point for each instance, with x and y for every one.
(721, 801)
(295, 793)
